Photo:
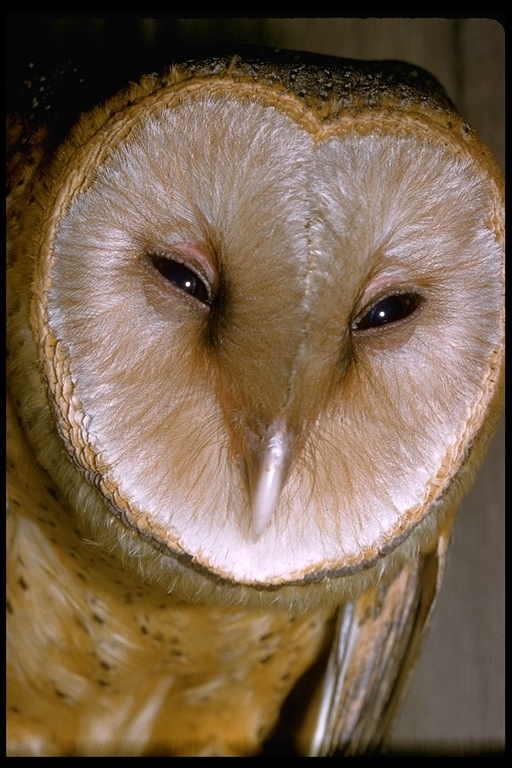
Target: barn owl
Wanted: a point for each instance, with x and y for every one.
(255, 332)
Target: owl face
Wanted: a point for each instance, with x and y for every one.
(270, 334)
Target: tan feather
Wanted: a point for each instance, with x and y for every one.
(377, 643)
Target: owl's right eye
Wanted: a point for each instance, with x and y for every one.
(181, 276)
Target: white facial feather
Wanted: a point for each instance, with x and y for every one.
(300, 230)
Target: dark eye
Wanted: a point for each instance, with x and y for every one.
(391, 309)
(182, 277)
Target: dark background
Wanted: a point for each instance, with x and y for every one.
(456, 702)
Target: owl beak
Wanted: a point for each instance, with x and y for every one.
(268, 458)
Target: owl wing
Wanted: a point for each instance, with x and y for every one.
(377, 640)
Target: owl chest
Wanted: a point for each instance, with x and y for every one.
(127, 669)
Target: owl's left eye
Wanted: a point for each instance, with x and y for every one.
(182, 277)
(390, 309)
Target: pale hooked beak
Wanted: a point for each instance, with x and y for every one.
(267, 462)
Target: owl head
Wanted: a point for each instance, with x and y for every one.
(256, 321)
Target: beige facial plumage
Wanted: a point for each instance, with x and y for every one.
(256, 332)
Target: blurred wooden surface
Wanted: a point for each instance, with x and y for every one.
(456, 701)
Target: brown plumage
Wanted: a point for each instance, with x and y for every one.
(255, 335)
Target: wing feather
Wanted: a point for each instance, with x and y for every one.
(377, 640)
